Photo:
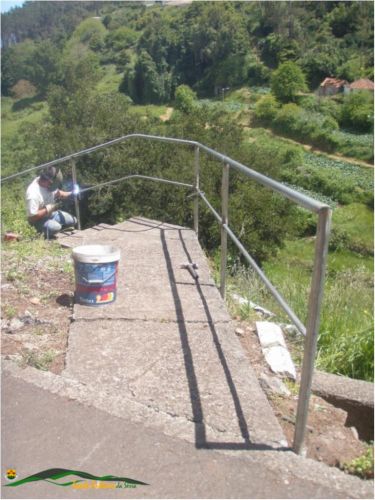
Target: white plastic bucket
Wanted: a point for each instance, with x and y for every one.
(96, 269)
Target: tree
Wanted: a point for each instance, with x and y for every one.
(287, 81)
(144, 83)
(46, 66)
(16, 64)
(185, 98)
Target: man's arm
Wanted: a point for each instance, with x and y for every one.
(41, 213)
(62, 195)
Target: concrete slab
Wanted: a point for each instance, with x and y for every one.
(152, 285)
(194, 371)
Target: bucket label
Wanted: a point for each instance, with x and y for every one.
(95, 283)
(93, 299)
(94, 274)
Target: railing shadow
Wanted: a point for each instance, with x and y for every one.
(196, 403)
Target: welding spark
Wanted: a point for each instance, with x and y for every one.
(76, 189)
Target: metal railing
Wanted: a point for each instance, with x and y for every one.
(323, 211)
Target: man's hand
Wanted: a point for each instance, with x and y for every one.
(51, 208)
(61, 195)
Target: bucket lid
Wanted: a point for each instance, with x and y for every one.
(93, 254)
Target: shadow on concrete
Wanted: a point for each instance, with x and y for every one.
(148, 226)
(200, 431)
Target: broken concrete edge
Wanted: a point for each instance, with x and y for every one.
(356, 397)
(285, 463)
(357, 392)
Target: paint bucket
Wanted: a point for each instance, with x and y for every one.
(95, 268)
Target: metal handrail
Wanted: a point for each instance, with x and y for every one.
(299, 198)
(321, 246)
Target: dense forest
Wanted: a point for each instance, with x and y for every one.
(206, 45)
(241, 77)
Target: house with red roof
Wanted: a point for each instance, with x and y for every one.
(332, 86)
(362, 84)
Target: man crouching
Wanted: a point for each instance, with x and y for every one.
(42, 204)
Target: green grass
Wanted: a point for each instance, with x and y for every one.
(40, 361)
(357, 220)
(149, 110)
(346, 341)
(346, 333)
(110, 81)
(11, 121)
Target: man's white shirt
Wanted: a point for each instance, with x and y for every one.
(37, 197)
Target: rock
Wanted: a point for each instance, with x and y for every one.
(269, 334)
(240, 332)
(275, 350)
(273, 385)
(15, 324)
(280, 362)
(35, 300)
(4, 324)
(290, 329)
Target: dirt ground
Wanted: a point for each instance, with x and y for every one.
(36, 311)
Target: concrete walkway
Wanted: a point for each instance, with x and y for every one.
(156, 388)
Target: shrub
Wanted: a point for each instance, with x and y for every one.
(266, 108)
(338, 240)
(362, 466)
(287, 117)
(323, 139)
(329, 107)
(358, 111)
(314, 128)
(185, 98)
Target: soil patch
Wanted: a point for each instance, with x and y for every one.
(36, 308)
(167, 115)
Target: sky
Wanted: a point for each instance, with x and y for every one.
(8, 4)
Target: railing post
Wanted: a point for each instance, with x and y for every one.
(312, 327)
(76, 201)
(224, 236)
(196, 185)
